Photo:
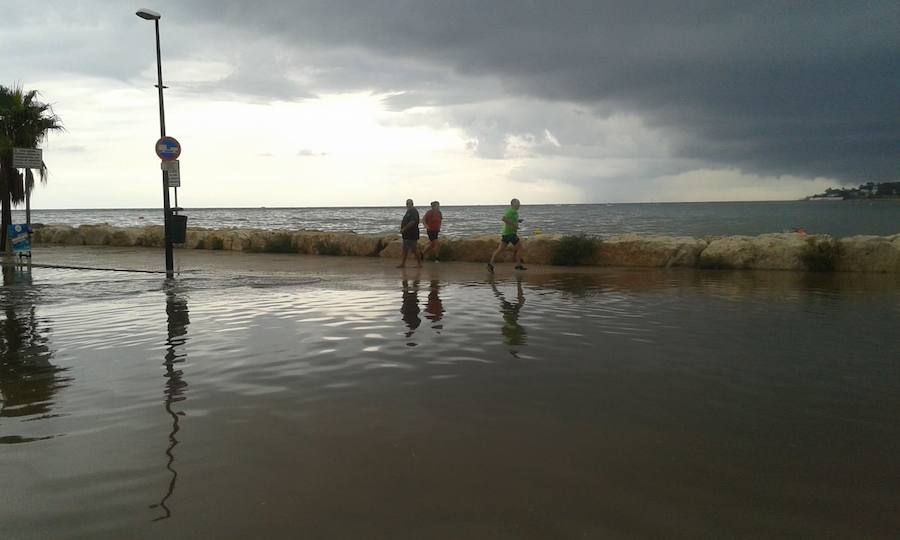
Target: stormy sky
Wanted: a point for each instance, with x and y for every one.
(300, 103)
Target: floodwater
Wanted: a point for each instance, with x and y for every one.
(592, 405)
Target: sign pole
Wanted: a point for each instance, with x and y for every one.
(28, 221)
(27, 159)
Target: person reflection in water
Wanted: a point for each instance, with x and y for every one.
(514, 334)
(28, 380)
(410, 308)
(177, 323)
(434, 307)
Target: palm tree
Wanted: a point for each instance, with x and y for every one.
(24, 123)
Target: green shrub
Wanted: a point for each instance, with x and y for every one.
(279, 243)
(821, 255)
(573, 251)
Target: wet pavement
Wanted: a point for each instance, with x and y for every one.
(317, 397)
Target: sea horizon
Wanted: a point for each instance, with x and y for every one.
(454, 205)
(844, 218)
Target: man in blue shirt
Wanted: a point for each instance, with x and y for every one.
(409, 231)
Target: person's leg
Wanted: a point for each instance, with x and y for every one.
(403, 259)
(497, 251)
(432, 244)
(420, 256)
(520, 247)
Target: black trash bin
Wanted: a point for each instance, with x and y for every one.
(178, 228)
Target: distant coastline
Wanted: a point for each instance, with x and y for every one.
(870, 190)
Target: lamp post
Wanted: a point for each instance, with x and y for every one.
(167, 210)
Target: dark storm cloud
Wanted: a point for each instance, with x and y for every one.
(802, 88)
(806, 88)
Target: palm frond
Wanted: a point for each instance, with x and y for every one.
(25, 122)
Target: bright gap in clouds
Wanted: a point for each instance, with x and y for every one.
(346, 150)
(337, 150)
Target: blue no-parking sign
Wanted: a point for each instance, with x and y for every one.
(167, 148)
(19, 238)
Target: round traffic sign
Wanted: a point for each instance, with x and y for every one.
(167, 148)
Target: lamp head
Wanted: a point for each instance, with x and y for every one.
(148, 14)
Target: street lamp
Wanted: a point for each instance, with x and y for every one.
(151, 15)
(148, 14)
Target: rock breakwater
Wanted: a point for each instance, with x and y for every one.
(764, 252)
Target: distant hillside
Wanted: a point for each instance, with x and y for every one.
(871, 190)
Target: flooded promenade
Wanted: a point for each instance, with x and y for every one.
(264, 395)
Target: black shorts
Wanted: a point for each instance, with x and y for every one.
(432, 235)
(509, 239)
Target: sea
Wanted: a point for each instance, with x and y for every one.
(836, 218)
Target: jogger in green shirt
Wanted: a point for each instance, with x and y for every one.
(510, 236)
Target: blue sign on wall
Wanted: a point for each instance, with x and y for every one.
(19, 238)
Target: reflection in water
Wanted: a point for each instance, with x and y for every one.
(514, 334)
(410, 308)
(434, 307)
(575, 285)
(178, 321)
(28, 381)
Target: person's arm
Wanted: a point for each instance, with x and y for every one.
(510, 222)
(412, 223)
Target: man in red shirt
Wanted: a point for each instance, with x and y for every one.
(432, 222)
